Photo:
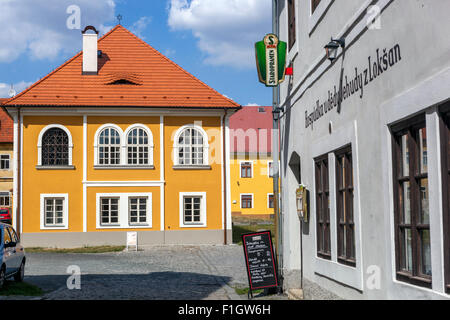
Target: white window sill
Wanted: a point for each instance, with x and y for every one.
(115, 225)
(191, 167)
(55, 228)
(67, 167)
(123, 167)
(136, 225)
(200, 225)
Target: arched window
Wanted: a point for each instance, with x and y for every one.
(191, 146)
(139, 147)
(109, 146)
(55, 146)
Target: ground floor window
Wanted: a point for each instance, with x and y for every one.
(5, 199)
(124, 210)
(54, 211)
(137, 207)
(109, 211)
(193, 209)
(246, 201)
(412, 218)
(344, 219)
(322, 207)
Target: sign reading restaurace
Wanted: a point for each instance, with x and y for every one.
(271, 60)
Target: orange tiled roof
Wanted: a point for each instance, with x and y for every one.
(6, 125)
(131, 73)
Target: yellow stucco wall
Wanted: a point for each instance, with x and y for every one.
(208, 181)
(37, 181)
(260, 185)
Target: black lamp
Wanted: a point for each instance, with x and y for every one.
(333, 46)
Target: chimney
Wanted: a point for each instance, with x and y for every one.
(90, 53)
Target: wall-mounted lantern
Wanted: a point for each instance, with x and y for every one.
(333, 46)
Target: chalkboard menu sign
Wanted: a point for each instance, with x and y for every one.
(260, 261)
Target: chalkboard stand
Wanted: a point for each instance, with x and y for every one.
(270, 287)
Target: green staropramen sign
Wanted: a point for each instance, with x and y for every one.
(271, 60)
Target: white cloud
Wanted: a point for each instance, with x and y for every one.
(252, 105)
(39, 28)
(18, 87)
(226, 29)
(170, 53)
(139, 26)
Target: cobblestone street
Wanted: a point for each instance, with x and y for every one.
(156, 273)
(166, 272)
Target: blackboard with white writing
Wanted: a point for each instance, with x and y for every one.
(260, 261)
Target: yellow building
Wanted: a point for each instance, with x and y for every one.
(251, 160)
(119, 139)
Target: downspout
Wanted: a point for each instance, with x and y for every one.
(224, 154)
(19, 174)
(275, 158)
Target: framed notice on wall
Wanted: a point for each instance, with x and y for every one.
(260, 260)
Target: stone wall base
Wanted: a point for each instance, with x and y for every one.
(116, 238)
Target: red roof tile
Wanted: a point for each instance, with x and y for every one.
(131, 73)
(251, 130)
(6, 125)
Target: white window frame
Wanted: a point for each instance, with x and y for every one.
(39, 144)
(6, 194)
(65, 224)
(240, 168)
(96, 145)
(203, 211)
(349, 275)
(150, 144)
(146, 211)
(205, 146)
(9, 161)
(247, 194)
(316, 16)
(124, 221)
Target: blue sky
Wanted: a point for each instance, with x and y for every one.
(212, 39)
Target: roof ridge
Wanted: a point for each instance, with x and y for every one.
(220, 100)
(179, 67)
(57, 69)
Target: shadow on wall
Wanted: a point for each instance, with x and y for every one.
(151, 286)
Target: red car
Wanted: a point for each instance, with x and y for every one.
(5, 215)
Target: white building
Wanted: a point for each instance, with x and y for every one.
(368, 135)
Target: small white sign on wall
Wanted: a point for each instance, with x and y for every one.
(132, 240)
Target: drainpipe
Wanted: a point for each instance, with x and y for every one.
(275, 155)
(224, 154)
(19, 174)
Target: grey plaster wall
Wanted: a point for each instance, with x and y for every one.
(416, 83)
